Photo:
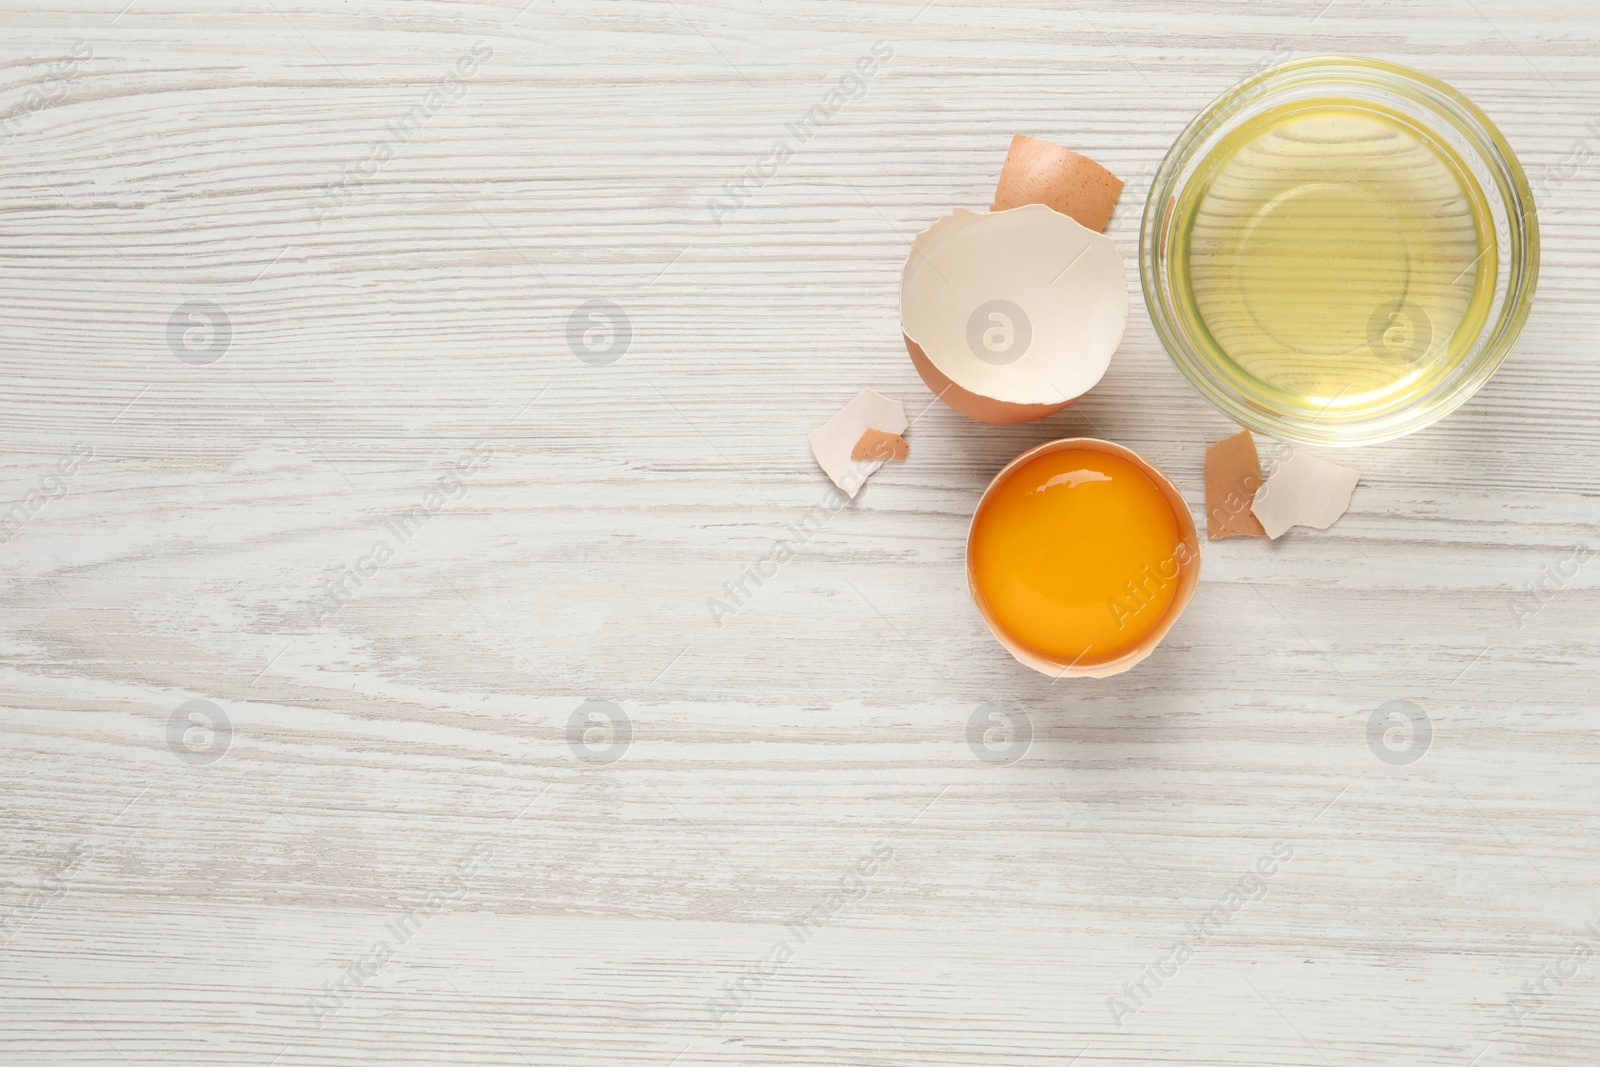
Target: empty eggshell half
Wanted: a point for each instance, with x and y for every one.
(1010, 316)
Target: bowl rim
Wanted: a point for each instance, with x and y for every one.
(1491, 146)
(1188, 572)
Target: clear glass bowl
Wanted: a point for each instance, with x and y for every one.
(1299, 243)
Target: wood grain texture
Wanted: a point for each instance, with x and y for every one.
(809, 756)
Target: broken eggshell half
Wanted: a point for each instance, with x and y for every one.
(1010, 316)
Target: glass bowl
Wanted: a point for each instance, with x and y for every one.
(1301, 244)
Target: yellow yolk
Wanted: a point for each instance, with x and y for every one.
(1076, 555)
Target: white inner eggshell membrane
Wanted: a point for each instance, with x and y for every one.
(1068, 280)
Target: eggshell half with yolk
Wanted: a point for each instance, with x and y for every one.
(1105, 557)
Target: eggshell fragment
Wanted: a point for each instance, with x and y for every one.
(834, 441)
(1038, 172)
(1233, 475)
(1010, 316)
(1304, 491)
(876, 444)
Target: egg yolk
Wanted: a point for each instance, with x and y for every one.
(1077, 555)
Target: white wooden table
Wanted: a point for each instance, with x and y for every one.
(409, 846)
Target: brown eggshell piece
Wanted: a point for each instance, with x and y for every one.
(1233, 475)
(834, 441)
(880, 444)
(1038, 172)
